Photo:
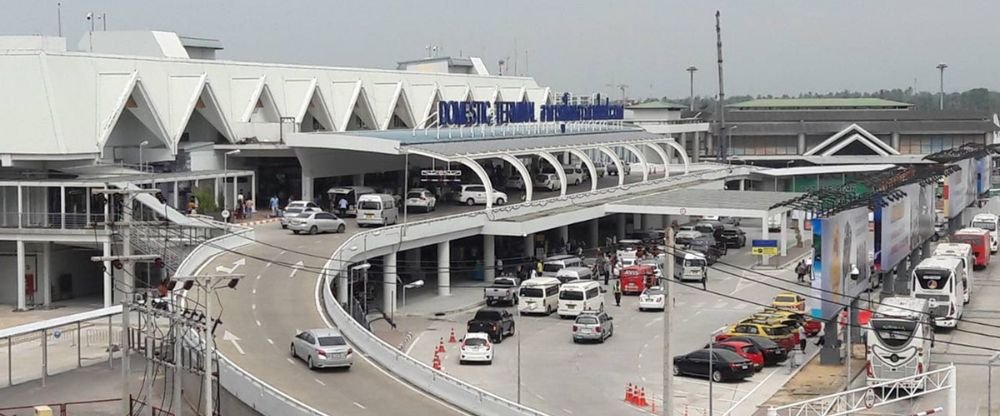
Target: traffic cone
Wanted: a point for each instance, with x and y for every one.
(452, 339)
(437, 362)
(440, 347)
(642, 398)
(628, 394)
(654, 407)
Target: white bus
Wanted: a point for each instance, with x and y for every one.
(962, 251)
(939, 279)
(538, 295)
(899, 340)
(991, 223)
(579, 296)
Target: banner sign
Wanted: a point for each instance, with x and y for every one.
(840, 246)
(439, 175)
(479, 113)
(764, 247)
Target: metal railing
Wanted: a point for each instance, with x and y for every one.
(50, 220)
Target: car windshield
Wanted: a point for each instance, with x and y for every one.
(694, 262)
(541, 178)
(785, 299)
(304, 215)
(986, 225)
(375, 205)
(294, 210)
(893, 332)
(331, 341)
(552, 267)
(932, 279)
(776, 330)
(749, 349)
(417, 195)
(475, 342)
(571, 295)
(586, 320)
(531, 292)
(653, 292)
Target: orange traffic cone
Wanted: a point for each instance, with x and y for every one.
(654, 407)
(452, 339)
(642, 398)
(437, 362)
(629, 398)
(440, 347)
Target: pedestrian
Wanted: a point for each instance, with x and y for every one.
(579, 251)
(617, 289)
(539, 266)
(704, 280)
(499, 266)
(800, 270)
(822, 336)
(240, 202)
(802, 338)
(342, 206)
(273, 204)
(520, 272)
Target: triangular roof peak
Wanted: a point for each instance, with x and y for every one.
(851, 134)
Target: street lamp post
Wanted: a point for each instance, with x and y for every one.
(411, 285)
(941, 67)
(691, 70)
(989, 383)
(225, 169)
(141, 145)
(711, 366)
(350, 286)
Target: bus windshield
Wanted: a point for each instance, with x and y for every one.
(971, 240)
(986, 225)
(893, 332)
(531, 292)
(932, 279)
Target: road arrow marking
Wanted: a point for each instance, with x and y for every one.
(229, 270)
(228, 336)
(295, 268)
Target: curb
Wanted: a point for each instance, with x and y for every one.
(782, 265)
(258, 222)
(459, 309)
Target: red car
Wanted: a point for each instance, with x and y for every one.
(743, 349)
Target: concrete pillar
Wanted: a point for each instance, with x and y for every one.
(62, 207)
(444, 268)
(743, 184)
(684, 141)
(696, 152)
(21, 271)
(342, 283)
(593, 233)
(637, 224)
(489, 258)
(217, 190)
(307, 188)
(784, 234)
(708, 144)
(564, 234)
(529, 245)
(802, 143)
(895, 140)
(359, 179)
(620, 226)
(20, 206)
(764, 236)
(389, 284)
(252, 194)
(177, 197)
(46, 272)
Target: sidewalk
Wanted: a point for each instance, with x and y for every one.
(9, 318)
(794, 255)
(426, 311)
(813, 380)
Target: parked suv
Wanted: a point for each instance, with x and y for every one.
(593, 326)
(498, 323)
(613, 169)
(476, 194)
(733, 236)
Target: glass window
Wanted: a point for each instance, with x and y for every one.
(571, 295)
(331, 341)
(476, 342)
(587, 320)
(531, 292)
(374, 205)
(932, 278)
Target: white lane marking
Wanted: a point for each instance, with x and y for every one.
(413, 343)
(258, 276)
(228, 336)
(359, 405)
(254, 291)
(282, 252)
(319, 381)
(270, 342)
(290, 361)
(643, 379)
(265, 266)
(658, 319)
(539, 396)
(567, 410)
(258, 323)
(253, 306)
(296, 267)
(229, 270)
(322, 314)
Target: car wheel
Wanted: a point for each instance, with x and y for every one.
(500, 201)
(717, 376)
(309, 363)
(291, 349)
(677, 370)
(499, 337)
(602, 307)
(284, 227)
(642, 309)
(313, 230)
(295, 231)
(511, 329)
(341, 228)
(470, 202)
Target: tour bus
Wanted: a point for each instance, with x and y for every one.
(538, 295)
(964, 252)
(349, 193)
(579, 296)
(938, 279)
(989, 222)
(635, 279)
(979, 239)
(899, 340)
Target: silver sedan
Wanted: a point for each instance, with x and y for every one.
(316, 222)
(321, 348)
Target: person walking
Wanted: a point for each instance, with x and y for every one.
(704, 280)
(342, 207)
(802, 338)
(499, 266)
(800, 270)
(617, 289)
(273, 204)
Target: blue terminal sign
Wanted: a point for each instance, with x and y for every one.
(477, 113)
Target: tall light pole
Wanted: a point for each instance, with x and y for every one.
(941, 67)
(711, 365)
(691, 70)
(225, 169)
(722, 93)
(989, 384)
(141, 145)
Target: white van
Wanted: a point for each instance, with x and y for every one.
(351, 194)
(964, 252)
(991, 223)
(538, 295)
(574, 175)
(692, 266)
(580, 296)
(554, 264)
(377, 209)
(570, 274)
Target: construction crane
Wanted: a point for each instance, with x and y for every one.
(622, 88)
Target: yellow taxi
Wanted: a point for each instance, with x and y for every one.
(789, 301)
(812, 326)
(780, 334)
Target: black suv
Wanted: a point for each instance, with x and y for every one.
(711, 248)
(497, 323)
(733, 236)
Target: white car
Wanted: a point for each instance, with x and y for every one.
(476, 194)
(295, 208)
(652, 298)
(514, 182)
(421, 198)
(322, 348)
(316, 222)
(601, 168)
(548, 181)
(476, 347)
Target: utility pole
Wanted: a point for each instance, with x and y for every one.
(668, 359)
(941, 67)
(691, 70)
(722, 93)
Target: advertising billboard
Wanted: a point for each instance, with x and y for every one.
(893, 228)
(841, 244)
(956, 192)
(922, 216)
(983, 174)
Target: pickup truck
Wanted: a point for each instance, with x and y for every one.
(503, 289)
(497, 323)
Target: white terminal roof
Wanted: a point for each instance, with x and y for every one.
(691, 201)
(821, 170)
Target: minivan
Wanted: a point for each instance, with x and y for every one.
(377, 209)
(548, 181)
(351, 194)
(991, 223)
(570, 274)
(577, 297)
(538, 295)
(554, 264)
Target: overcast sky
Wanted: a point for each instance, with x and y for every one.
(771, 47)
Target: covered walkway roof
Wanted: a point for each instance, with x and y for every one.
(700, 202)
(534, 143)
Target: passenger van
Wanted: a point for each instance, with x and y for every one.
(938, 279)
(377, 209)
(962, 251)
(989, 222)
(899, 340)
(351, 194)
(628, 248)
(538, 295)
(554, 264)
(692, 266)
(979, 239)
(569, 274)
(580, 296)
